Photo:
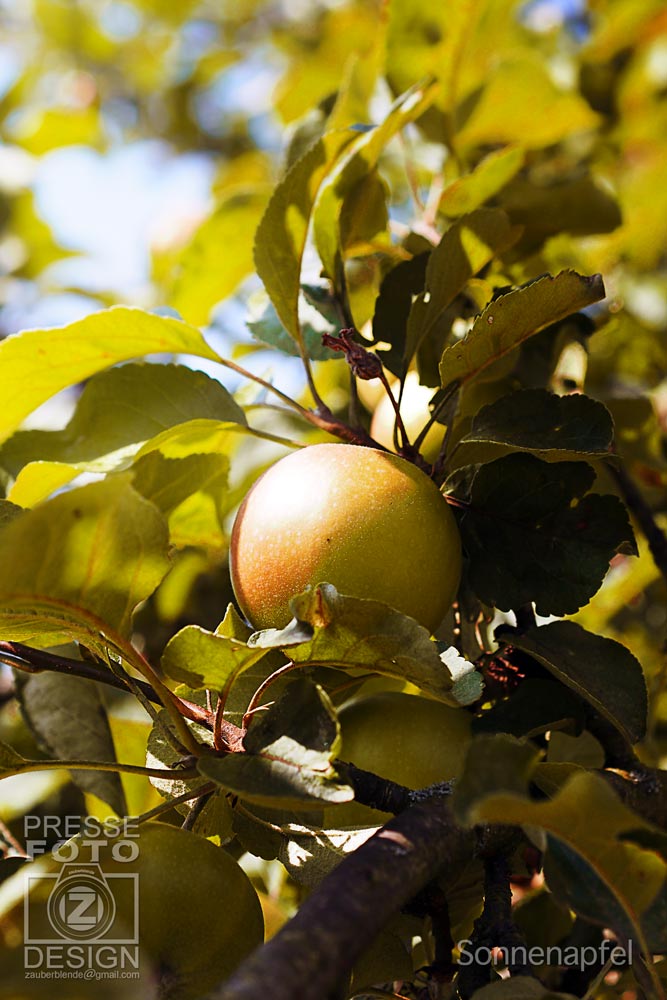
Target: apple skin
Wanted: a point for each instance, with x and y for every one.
(414, 412)
(370, 523)
(405, 738)
(199, 915)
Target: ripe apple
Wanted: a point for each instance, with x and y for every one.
(412, 740)
(370, 523)
(414, 412)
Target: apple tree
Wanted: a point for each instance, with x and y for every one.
(373, 669)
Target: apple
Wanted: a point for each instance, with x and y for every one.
(368, 522)
(414, 413)
(412, 740)
(198, 914)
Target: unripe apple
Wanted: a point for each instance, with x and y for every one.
(412, 740)
(370, 523)
(414, 413)
(198, 913)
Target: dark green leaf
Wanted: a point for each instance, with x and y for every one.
(392, 308)
(514, 317)
(289, 754)
(493, 765)
(578, 886)
(534, 420)
(535, 707)
(532, 536)
(68, 716)
(602, 671)
(571, 205)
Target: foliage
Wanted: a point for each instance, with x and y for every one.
(477, 196)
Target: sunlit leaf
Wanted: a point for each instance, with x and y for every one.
(514, 317)
(38, 363)
(490, 175)
(348, 632)
(463, 251)
(80, 562)
(204, 659)
(355, 164)
(521, 103)
(219, 255)
(118, 411)
(280, 239)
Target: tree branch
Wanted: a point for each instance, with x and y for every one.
(339, 921)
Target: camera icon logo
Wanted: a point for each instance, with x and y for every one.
(85, 905)
(81, 906)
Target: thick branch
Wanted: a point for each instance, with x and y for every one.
(339, 921)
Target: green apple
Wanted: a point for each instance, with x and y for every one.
(412, 740)
(370, 523)
(198, 913)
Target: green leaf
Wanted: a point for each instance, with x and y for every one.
(574, 205)
(37, 364)
(587, 816)
(504, 114)
(536, 706)
(280, 239)
(68, 716)
(489, 176)
(512, 318)
(579, 887)
(219, 255)
(80, 562)
(118, 411)
(534, 420)
(289, 754)
(265, 325)
(204, 659)
(160, 752)
(493, 764)
(532, 536)
(462, 252)
(38, 480)
(189, 492)
(355, 165)
(10, 760)
(349, 632)
(602, 671)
